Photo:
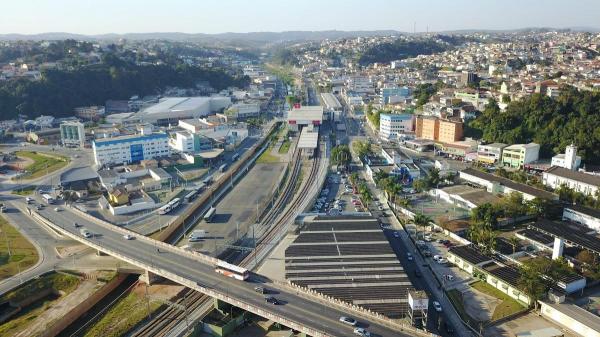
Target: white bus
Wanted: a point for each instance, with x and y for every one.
(208, 217)
(191, 196)
(231, 270)
(164, 209)
(48, 198)
(175, 203)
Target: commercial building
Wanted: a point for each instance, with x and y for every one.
(244, 110)
(72, 134)
(395, 126)
(300, 117)
(172, 109)
(490, 153)
(585, 183)
(427, 127)
(496, 184)
(131, 148)
(519, 155)
(392, 95)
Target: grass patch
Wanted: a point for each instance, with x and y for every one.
(65, 283)
(124, 315)
(23, 253)
(43, 163)
(285, 146)
(267, 158)
(24, 191)
(507, 307)
(58, 281)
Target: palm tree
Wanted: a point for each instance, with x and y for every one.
(514, 242)
(422, 220)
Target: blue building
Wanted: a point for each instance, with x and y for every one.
(131, 148)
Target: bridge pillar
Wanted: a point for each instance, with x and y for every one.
(149, 278)
(557, 251)
(99, 253)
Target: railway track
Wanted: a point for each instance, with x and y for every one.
(167, 319)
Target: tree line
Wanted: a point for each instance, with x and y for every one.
(400, 49)
(60, 91)
(554, 123)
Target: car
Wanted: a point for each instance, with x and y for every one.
(437, 306)
(396, 234)
(418, 273)
(76, 225)
(362, 332)
(437, 257)
(271, 300)
(409, 256)
(427, 253)
(440, 241)
(442, 261)
(348, 320)
(380, 208)
(39, 207)
(449, 277)
(56, 209)
(421, 243)
(28, 200)
(260, 290)
(128, 237)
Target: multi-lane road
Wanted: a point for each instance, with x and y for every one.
(298, 308)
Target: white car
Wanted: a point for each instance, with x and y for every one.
(437, 306)
(438, 257)
(56, 209)
(396, 234)
(442, 261)
(362, 332)
(128, 237)
(348, 320)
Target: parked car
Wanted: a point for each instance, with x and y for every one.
(348, 320)
(260, 290)
(442, 261)
(437, 306)
(449, 277)
(437, 257)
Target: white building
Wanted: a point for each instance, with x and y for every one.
(72, 134)
(556, 176)
(172, 109)
(305, 115)
(569, 160)
(395, 126)
(182, 141)
(583, 215)
(131, 148)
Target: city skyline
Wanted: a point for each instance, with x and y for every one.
(212, 17)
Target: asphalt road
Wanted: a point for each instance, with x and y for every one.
(298, 309)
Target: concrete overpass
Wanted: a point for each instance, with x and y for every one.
(303, 311)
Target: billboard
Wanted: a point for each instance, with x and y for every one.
(417, 302)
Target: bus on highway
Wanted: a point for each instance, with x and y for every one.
(210, 214)
(231, 270)
(200, 188)
(174, 203)
(235, 157)
(223, 168)
(48, 198)
(207, 181)
(164, 209)
(191, 196)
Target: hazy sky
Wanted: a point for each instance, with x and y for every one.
(216, 16)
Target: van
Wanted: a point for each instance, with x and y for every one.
(197, 235)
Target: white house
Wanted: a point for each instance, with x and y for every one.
(556, 176)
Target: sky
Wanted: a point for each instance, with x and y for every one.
(218, 16)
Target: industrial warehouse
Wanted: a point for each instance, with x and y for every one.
(349, 258)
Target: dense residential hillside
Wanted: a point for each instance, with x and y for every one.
(400, 49)
(573, 117)
(59, 92)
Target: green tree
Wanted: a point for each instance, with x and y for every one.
(422, 220)
(340, 155)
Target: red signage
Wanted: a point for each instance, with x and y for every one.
(291, 122)
(297, 106)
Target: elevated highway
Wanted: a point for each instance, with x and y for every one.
(300, 310)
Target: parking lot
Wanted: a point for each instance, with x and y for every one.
(337, 197)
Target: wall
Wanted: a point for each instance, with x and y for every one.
(589, 221)
(509, 290)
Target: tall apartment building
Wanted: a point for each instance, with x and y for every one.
(440, 130)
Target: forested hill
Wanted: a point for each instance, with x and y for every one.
(59, 92)
(400, 49)
(573, 117)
